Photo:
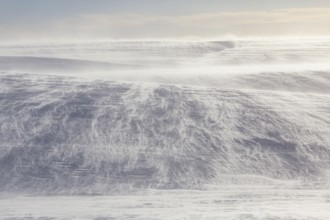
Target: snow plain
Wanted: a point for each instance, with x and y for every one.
(165, 130)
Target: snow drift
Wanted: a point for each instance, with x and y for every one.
(61, 134)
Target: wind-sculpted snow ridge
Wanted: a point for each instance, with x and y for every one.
(180, 53)
(56, 65)
(59, 135)
(149, 53)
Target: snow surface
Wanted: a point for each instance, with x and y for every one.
(159, 130)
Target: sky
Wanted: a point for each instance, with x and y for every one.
(153, 19)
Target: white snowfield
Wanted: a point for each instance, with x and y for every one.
(165, 130)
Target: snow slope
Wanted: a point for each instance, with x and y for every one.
(114, 118)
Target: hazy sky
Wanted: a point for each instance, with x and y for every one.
(85, 19)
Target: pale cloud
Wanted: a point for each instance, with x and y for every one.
(300, 21)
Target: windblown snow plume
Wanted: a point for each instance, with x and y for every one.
(115, 117)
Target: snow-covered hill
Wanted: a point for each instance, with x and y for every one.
(112, 118)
